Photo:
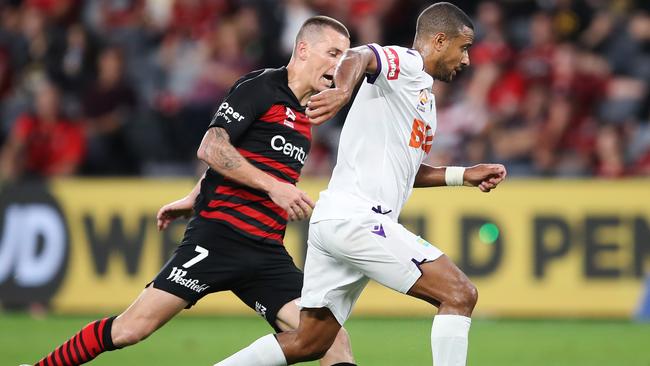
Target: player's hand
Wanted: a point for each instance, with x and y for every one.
(324, 105)
(291, 199)
(172, 211)
(485, 176)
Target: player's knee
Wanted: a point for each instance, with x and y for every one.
(473, 292)
(465, 297)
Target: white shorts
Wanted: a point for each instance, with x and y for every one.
(342, 255)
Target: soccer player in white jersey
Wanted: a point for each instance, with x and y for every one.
(354, 235)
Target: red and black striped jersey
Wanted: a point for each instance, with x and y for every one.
(268, 126)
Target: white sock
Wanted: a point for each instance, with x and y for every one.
(265, 351)
(449, 340)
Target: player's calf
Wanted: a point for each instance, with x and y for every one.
(339, 353)
(317, 331)
(88, 343)
(302, 347)
(127, 333)
(149, 311)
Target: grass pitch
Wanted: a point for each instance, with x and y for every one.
(190, 340)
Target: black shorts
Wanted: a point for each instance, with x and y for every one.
(263, 276)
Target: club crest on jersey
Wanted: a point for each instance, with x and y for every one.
(290, 119)
(378, 230)
(424, 101)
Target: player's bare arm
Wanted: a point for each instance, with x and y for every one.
(180, 208)
(484, 176)
(217, 151)
(353, 65)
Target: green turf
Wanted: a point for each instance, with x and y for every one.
(376, 341)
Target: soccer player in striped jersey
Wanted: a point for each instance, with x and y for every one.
(255, 147)
(354, 235)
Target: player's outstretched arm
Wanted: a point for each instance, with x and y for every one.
(217, 151)
(484, 176)
(351, 67)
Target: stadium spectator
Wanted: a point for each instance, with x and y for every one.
(36, 38)
(195, 74)
(552, 79)
(108, 107)
(195, 18)
(44, 143)
(72, 64)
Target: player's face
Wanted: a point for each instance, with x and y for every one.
(323, 56)
(455, 57)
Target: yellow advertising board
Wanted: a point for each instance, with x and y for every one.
(533, 247)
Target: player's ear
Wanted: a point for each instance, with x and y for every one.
(302, 50)
(440, 41)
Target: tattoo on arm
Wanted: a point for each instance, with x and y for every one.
(222, 154)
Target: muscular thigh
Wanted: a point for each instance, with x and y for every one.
(273, 284)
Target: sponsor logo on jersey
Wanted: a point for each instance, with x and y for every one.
(424, 101)
(291, 118)
(421, 136)
(279, 143)
(228, 113)
(260, 309)
(378, 230)
(178, 275)
(393, 63)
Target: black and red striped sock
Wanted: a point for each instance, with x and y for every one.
(92, 340)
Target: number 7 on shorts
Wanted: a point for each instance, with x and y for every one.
(203, 253)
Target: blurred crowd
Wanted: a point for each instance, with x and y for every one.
(127, 87)
(560, 89)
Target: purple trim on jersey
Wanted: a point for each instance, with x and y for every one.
(418, 263)
(412, 52)
(372, 77)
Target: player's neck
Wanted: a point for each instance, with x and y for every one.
(300, 87)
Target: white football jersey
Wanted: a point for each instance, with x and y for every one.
(387, 134)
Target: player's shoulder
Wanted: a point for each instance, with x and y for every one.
(397, 59)
(259, 81)
(408, 54)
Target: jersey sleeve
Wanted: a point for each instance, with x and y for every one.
(395, 66)
(239, 109)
